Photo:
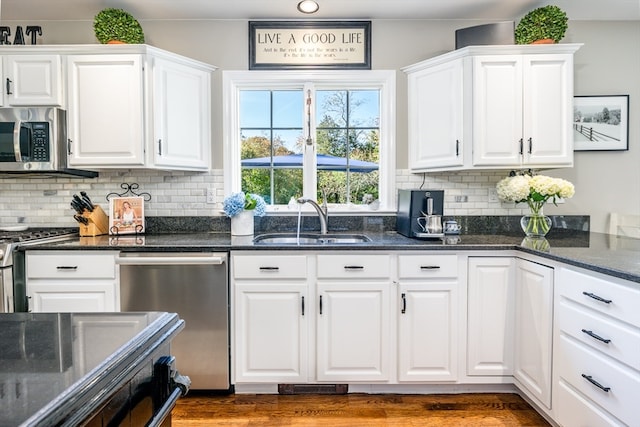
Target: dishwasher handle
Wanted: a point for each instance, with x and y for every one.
(172, 259)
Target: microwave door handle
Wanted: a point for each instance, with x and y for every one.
(16, 140)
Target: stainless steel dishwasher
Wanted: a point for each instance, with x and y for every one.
(194, 285)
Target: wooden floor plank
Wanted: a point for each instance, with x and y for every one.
(490, 410)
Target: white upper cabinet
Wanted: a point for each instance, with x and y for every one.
(106, 110)
(135, 106)
(31, 80)
(492, 107)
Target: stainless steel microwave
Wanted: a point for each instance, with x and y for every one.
(34, 140)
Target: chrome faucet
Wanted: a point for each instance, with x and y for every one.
(323, 212)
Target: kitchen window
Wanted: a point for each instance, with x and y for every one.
(312, 134)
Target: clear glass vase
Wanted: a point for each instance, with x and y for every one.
(535, 224)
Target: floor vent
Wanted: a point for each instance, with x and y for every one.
(313, 388)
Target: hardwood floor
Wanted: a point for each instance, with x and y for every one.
(355, 410)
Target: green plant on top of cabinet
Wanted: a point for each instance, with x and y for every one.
(135, 106)
(30, 79)
(492, 107)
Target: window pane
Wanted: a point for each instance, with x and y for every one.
(254, 108)
(287, 109)
(347, 129)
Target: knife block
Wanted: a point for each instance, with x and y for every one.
(98, 223)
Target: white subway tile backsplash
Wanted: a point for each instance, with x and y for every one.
(45, 201)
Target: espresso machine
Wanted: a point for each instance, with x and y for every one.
(420, 213)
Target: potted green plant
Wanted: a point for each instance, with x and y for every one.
(113, 25)
(548, 23)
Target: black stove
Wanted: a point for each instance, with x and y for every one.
(34, 234)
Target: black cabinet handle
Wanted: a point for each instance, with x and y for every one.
(320, 304)
(595, 336)
(457, 147)
(303, 305)
(404, 303)
(69, 149)
(27, 299)
(160, 147)
(596, 297)
(521, 146)
(596, 383)
(530, 145)
(9, 86)
(429, 267)
(67, 267)
(353, 267)
(269, 268)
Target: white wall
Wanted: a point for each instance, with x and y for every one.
(609, 63)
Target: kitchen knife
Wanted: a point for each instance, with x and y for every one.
(81, 219)
(77, 207)
(87, 201)
(80, 203)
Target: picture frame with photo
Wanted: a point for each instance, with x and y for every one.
(126, 215)
(601, 123)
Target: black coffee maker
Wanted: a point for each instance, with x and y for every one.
(413, 204)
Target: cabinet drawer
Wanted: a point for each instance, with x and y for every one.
(353, 266)
(576, 360)
(70, 266)
(574, 410)
(602, 295)
(269, 266)
(427, 266)
(595, 330)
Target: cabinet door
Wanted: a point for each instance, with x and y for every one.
(533, 329)
(32, 80)
(490, 316)
(497, 110)
(270, 333)
(428, 331)
(181, 115)
(63, 297)
(548, 97)
(353, 331)
(436, 116)
(106, 114)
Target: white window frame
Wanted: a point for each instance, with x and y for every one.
(384, 80)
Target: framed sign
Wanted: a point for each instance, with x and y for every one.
(309, 45)
(601, 123)
(126, 215)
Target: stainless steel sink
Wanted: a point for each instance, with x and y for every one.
(309, 239)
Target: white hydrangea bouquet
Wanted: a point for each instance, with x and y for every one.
(535, 190)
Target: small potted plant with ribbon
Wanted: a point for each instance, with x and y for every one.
(544, 25)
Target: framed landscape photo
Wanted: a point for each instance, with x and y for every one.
(126, 215)
(601, 123)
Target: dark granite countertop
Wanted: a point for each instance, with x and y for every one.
(57, 365)
(612, 255)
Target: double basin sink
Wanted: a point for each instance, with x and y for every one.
(309, 239)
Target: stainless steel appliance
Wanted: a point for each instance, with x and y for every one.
(194, 285)
(415, 204)
(34, 140)
(12, 291)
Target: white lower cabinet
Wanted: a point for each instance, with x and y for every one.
(270, 315)
(273, 344)
(72, 281)
(428, 318)
(533, 329)
(490, 315)
(353, 320)
(353, 332)
(597, 350)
